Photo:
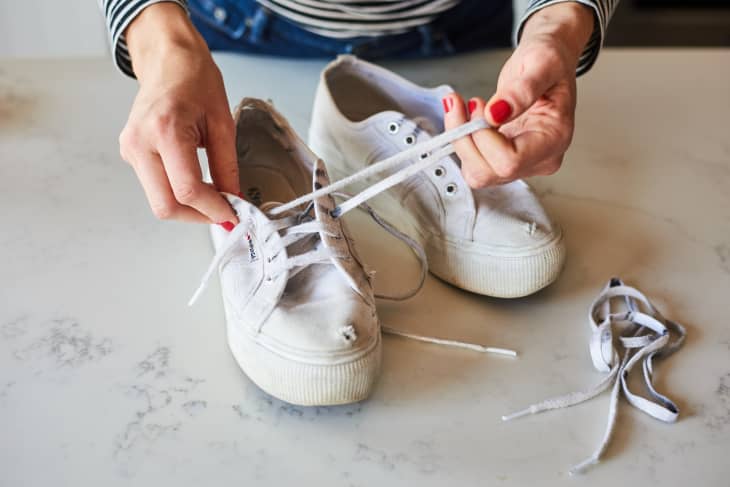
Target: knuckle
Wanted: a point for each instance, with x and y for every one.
(129, 141)
(163, 210)
(167, 116)
(477, 178)
(187, 192)
(224, 126)
(566, 135)
(163, 123)
(508, 169)
(553, 166)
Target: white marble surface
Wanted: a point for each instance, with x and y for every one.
(107, 378)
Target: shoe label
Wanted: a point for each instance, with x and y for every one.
(254, 195)
(252, 255)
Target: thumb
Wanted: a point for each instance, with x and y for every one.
(516, 94)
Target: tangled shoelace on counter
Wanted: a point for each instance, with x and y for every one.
(646, 334)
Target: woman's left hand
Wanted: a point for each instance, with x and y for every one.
(534, 106)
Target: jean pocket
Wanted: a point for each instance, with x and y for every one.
(225, 16)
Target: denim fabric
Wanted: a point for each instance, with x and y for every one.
(246, 26)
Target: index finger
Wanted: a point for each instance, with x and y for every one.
(183, 170)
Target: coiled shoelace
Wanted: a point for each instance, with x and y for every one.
(645, 335)
(301, 229)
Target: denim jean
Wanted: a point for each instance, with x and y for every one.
(246, 26)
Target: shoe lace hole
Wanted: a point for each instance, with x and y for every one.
(439, 171)
(451, 188)
(409, 140)
(393, 128)
(424, 155)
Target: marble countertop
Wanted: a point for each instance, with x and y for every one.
(108, 378)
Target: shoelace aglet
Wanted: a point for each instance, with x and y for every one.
(196, 295)
(518, 414)
(582, 466)
(500, 351)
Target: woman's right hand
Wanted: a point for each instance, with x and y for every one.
(181, 106)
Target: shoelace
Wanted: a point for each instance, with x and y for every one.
(438, 147)
(294, 227)
(646, 335)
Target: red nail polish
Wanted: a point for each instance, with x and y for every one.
(472, 106)
(227, 226)
(240, 195)
(500, 111)
(448, 104)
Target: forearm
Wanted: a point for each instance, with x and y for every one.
(162, 30)
(587, 14)
(119, 15)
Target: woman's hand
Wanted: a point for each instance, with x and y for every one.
(534, 105)
(181, 106)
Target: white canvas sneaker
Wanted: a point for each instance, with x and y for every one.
(496, 241)
(299, 307)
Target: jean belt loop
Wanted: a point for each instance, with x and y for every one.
(426, 39)
(446, 45)
(259, 23)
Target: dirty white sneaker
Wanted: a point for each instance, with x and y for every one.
(495, 241)
(299, 307)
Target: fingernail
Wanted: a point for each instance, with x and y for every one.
(227, 226)
(448, 104)
(472, 106)
(500, 111)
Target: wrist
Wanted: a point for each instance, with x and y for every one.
(159, 32)
(569, 23)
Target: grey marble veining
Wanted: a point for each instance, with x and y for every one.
(107, 378)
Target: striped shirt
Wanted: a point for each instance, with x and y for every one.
(346, 19)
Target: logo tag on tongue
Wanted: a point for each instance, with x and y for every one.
(252, 255)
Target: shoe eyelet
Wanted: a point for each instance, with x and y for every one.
(409, 140)
(439, 172)
(451, 188)
(424, 155)
(393, 128)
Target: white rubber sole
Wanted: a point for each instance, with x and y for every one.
(496, 275)
(305, 383)
(500, 274)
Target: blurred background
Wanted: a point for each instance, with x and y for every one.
(56, 28)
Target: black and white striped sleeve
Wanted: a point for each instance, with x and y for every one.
(118, 14)
(603, 9)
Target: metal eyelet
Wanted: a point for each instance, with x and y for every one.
(393, 128)
(451, 188)
(409, 140)
(439, 172)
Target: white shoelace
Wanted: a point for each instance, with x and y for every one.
(437, 148)
(646, 334)
(295, 227)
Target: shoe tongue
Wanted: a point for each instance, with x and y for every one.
(325, 203)
(426, 125)
(351, 269)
